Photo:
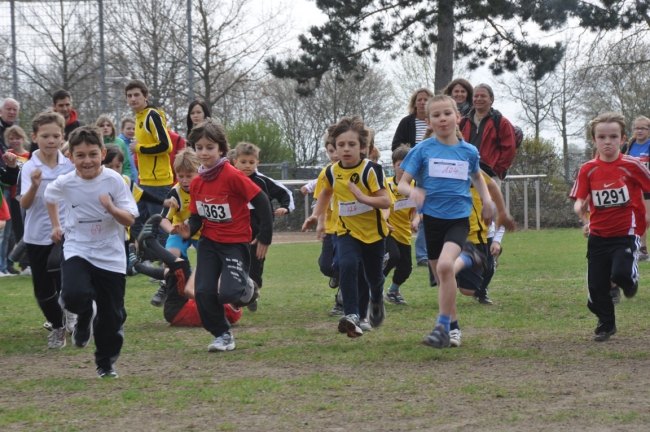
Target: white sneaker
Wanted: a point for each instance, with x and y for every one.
(56, 338)
(364, 324)
(225, 342)
(6, 274)
(26, 272)
(454, 337)
(70, 320)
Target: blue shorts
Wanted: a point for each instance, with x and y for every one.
(177, 242)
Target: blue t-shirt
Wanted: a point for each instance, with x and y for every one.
(640, 150)
(443, 171)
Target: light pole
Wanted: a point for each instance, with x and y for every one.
(116, 81)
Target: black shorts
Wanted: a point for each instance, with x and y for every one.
(437, 232)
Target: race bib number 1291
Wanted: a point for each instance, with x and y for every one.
(614, 197)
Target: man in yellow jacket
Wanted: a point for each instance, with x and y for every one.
(151, 146)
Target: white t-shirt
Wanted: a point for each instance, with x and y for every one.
(37, 222)
(90, 231)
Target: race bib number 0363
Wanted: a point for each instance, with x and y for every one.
(614, 197)
(218, 213)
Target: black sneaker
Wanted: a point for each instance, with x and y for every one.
(395, 297)
(12, 270)
(616, 295)
(482, 299)
(351, 325)
(253, 306)
(423, 263)
(149, 229)
(602, 333)
(337, 310)
(377, 312)
(438, 338)
(631, 292)
(107, 372)
(159, 298)
(334, 282)
(247, 298)
(479, 261)
(83, 331)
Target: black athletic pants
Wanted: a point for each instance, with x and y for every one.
(399, 258)
(47, 284)
(83, 283)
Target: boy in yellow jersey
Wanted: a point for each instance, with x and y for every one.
(327, 261)
(358, 187)
(402, 221)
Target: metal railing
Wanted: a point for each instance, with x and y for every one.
(299, 183)
(525, 178)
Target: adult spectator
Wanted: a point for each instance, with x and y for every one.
(62, 104)
(152, 146)
(8, 115)
(412, 127)
(491, 133)
(196, 113)
(462, 92)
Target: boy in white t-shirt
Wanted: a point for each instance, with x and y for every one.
(47, 163)
(98, 207)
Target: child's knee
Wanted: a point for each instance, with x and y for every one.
(445, 267)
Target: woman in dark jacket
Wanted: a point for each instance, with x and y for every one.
(197, 112)
(462, 92)
(412, 127)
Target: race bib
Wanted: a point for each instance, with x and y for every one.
(403, 203)
(214, 209)
(447, 168)
(90, 230)
(610, 195)
(352, 208)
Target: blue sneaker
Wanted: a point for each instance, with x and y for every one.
(438, 338)
(225, 342)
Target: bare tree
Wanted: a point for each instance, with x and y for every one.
(305, 119)
(230, 42)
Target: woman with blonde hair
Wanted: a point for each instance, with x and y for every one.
(411, 129)
(109, 132)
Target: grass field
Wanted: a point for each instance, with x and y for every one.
(526, 363)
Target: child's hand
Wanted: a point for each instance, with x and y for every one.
(171, 202)
(57, 234)
(320, 231)
(175, 229)
(36, 176)
(415, 224)
(418, 195)
(261, 249)
(505, 220)
(585, 230)
(9, 159)
(495, 249)
(107, 202)
(182, 230)
(304, 191)
(390, 227)
(487, 214)
(133, 145)
(356, 191)
(281, 211)
(309, 222)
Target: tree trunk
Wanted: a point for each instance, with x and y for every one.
(565, 146)
(445, 48)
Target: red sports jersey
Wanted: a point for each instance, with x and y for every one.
(616, 194)
(223, 205)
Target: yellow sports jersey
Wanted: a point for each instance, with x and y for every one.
(361, 221)
(477, 228)
(137, 194)
(180, 215)
(400, 213)
(332, 213)
(154, 146)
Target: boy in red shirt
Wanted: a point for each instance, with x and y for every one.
(614, 183)
(219, 207)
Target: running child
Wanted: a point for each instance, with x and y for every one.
(358, 187)
(247, 158)
(99, 206)
(444, 167)
(403, 219)
(45, 166)
(16, 138)
(179, 305)
(614, 183)
(219, 206)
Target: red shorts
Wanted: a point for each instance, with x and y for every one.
(189, 315)
(4, 210)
